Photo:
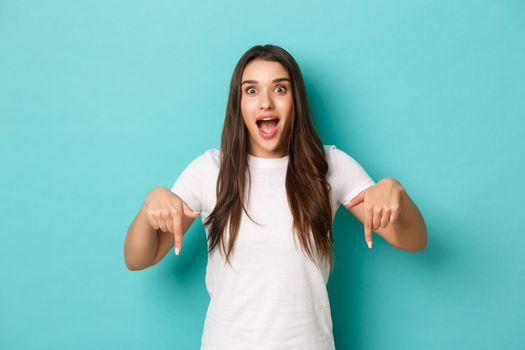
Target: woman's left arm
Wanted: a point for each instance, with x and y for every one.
(387, 209)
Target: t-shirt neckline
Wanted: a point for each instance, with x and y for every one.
(260, 162)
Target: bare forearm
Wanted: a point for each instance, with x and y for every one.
(141, 244)
(410, 227)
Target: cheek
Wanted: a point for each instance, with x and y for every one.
(247, 107)
(247, 120)
(244, 111)
(286, 107)
(289, 110)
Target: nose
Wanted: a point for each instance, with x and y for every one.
(266, 100)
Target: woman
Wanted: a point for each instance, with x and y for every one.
(267, 199)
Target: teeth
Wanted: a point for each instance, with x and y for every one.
(268, 118)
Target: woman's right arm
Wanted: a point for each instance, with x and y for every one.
(160, 223)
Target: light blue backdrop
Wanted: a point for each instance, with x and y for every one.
(101, 101)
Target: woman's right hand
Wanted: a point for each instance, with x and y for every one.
(164, 210)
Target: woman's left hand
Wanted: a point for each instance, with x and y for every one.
(382, 205)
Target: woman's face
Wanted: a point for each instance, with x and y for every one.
(266, 93)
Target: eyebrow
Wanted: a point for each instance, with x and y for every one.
(276, 80)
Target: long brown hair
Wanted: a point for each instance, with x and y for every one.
(306, 185)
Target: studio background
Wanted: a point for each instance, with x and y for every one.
(102, 101)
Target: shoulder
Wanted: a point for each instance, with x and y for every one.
(208, 162)
(203, 163)
(335, 156)
(340, 163)
(212, 156)
(345, 174)
(329, 151)
(333, 151)
(208, 158)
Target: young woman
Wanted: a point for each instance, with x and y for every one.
(267, 199)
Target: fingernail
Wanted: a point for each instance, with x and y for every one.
(177, 250)
(369, 244)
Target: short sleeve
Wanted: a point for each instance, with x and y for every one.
(348, 178)
(190, 182)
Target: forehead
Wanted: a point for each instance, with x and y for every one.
(264, 71)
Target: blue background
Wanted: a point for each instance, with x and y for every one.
(102, 101)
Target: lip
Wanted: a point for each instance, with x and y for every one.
(266, 116)
(270, 135)
(274, 131)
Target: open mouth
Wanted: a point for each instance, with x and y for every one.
(267, 125)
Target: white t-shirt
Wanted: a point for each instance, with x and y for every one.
(274, 296)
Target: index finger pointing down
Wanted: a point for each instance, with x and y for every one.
(177, 227)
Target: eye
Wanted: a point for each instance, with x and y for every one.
(249, 89)
(283, 88)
